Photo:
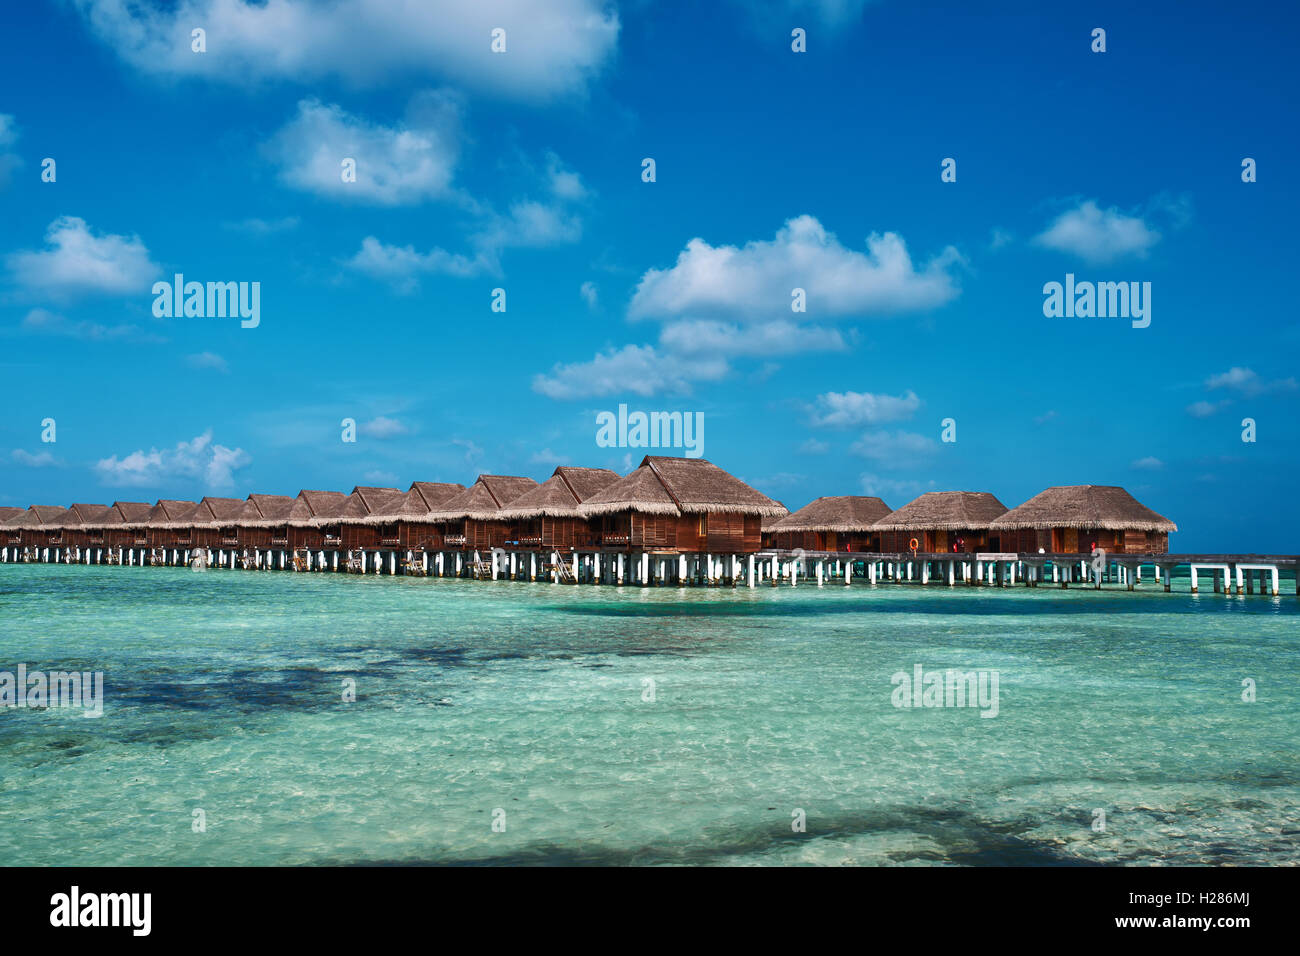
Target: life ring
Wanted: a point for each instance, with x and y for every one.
(914, 544)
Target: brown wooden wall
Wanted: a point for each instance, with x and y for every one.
(823, 540)
(357, 537)
(486, 535)
(311, 538)
(964, 541)
(418, 535)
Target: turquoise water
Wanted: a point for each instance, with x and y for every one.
(224, 693)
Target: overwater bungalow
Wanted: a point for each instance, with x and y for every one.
(11, 527)
(31, 530)
(215, 524)
(123, 521)
(405, 520)
(263, 522)
(472, 518)
(942, 521)
(547, 516)
(680, 505)
(836, 523)
(170, 524)
(356, 533)
(1076, 519)
(308, 536)
(72, 527)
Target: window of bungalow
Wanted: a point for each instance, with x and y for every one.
(704, 525)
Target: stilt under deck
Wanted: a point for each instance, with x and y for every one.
(1228, 574)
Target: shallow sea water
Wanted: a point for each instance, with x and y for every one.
(224, 692)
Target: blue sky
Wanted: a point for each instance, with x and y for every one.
(774, 170)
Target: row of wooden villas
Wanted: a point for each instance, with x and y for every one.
(671, 520)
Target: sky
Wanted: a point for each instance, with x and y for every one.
(918, 356)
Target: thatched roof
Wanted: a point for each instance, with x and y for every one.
(215, 513)
(768, 522)
(435, 494)
(9, 511)
(171, 513)
(77, 515)
(309, 505)
(364, 502)
(402, 506)
(1108, 507)
(37, 516)
(839, 513)
(560, 495)
(127, 514)
(664, 485)
(944, 511)
(415, 504)
(265, 511)
(641, 491)
(483, 500)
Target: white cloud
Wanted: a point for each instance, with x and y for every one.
(1046, 417)
(998, 238)
(779, 337)
(754, 282)
(638, 369)
(839, 409)
(408, 163)
(530, 223)
(77, 262)
(814, 447)
(782, 480)
(208, 360)
(552, 48)
(379, 477)
(894, 449)
(403, 266)
(896, 492)
(1205, 409)
(198, 459)
(1248, 382)
(383, 427)
(831, 14)
(589, 294)
(1149, 463)
(42, 459)
(45, 322)
(722, 302)
(564, 182)
(264, 227)
(9, 160)
(527, 223)
(548, 458)
(1098, 235)
(473, 452)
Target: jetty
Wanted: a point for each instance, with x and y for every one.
(671, 522)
